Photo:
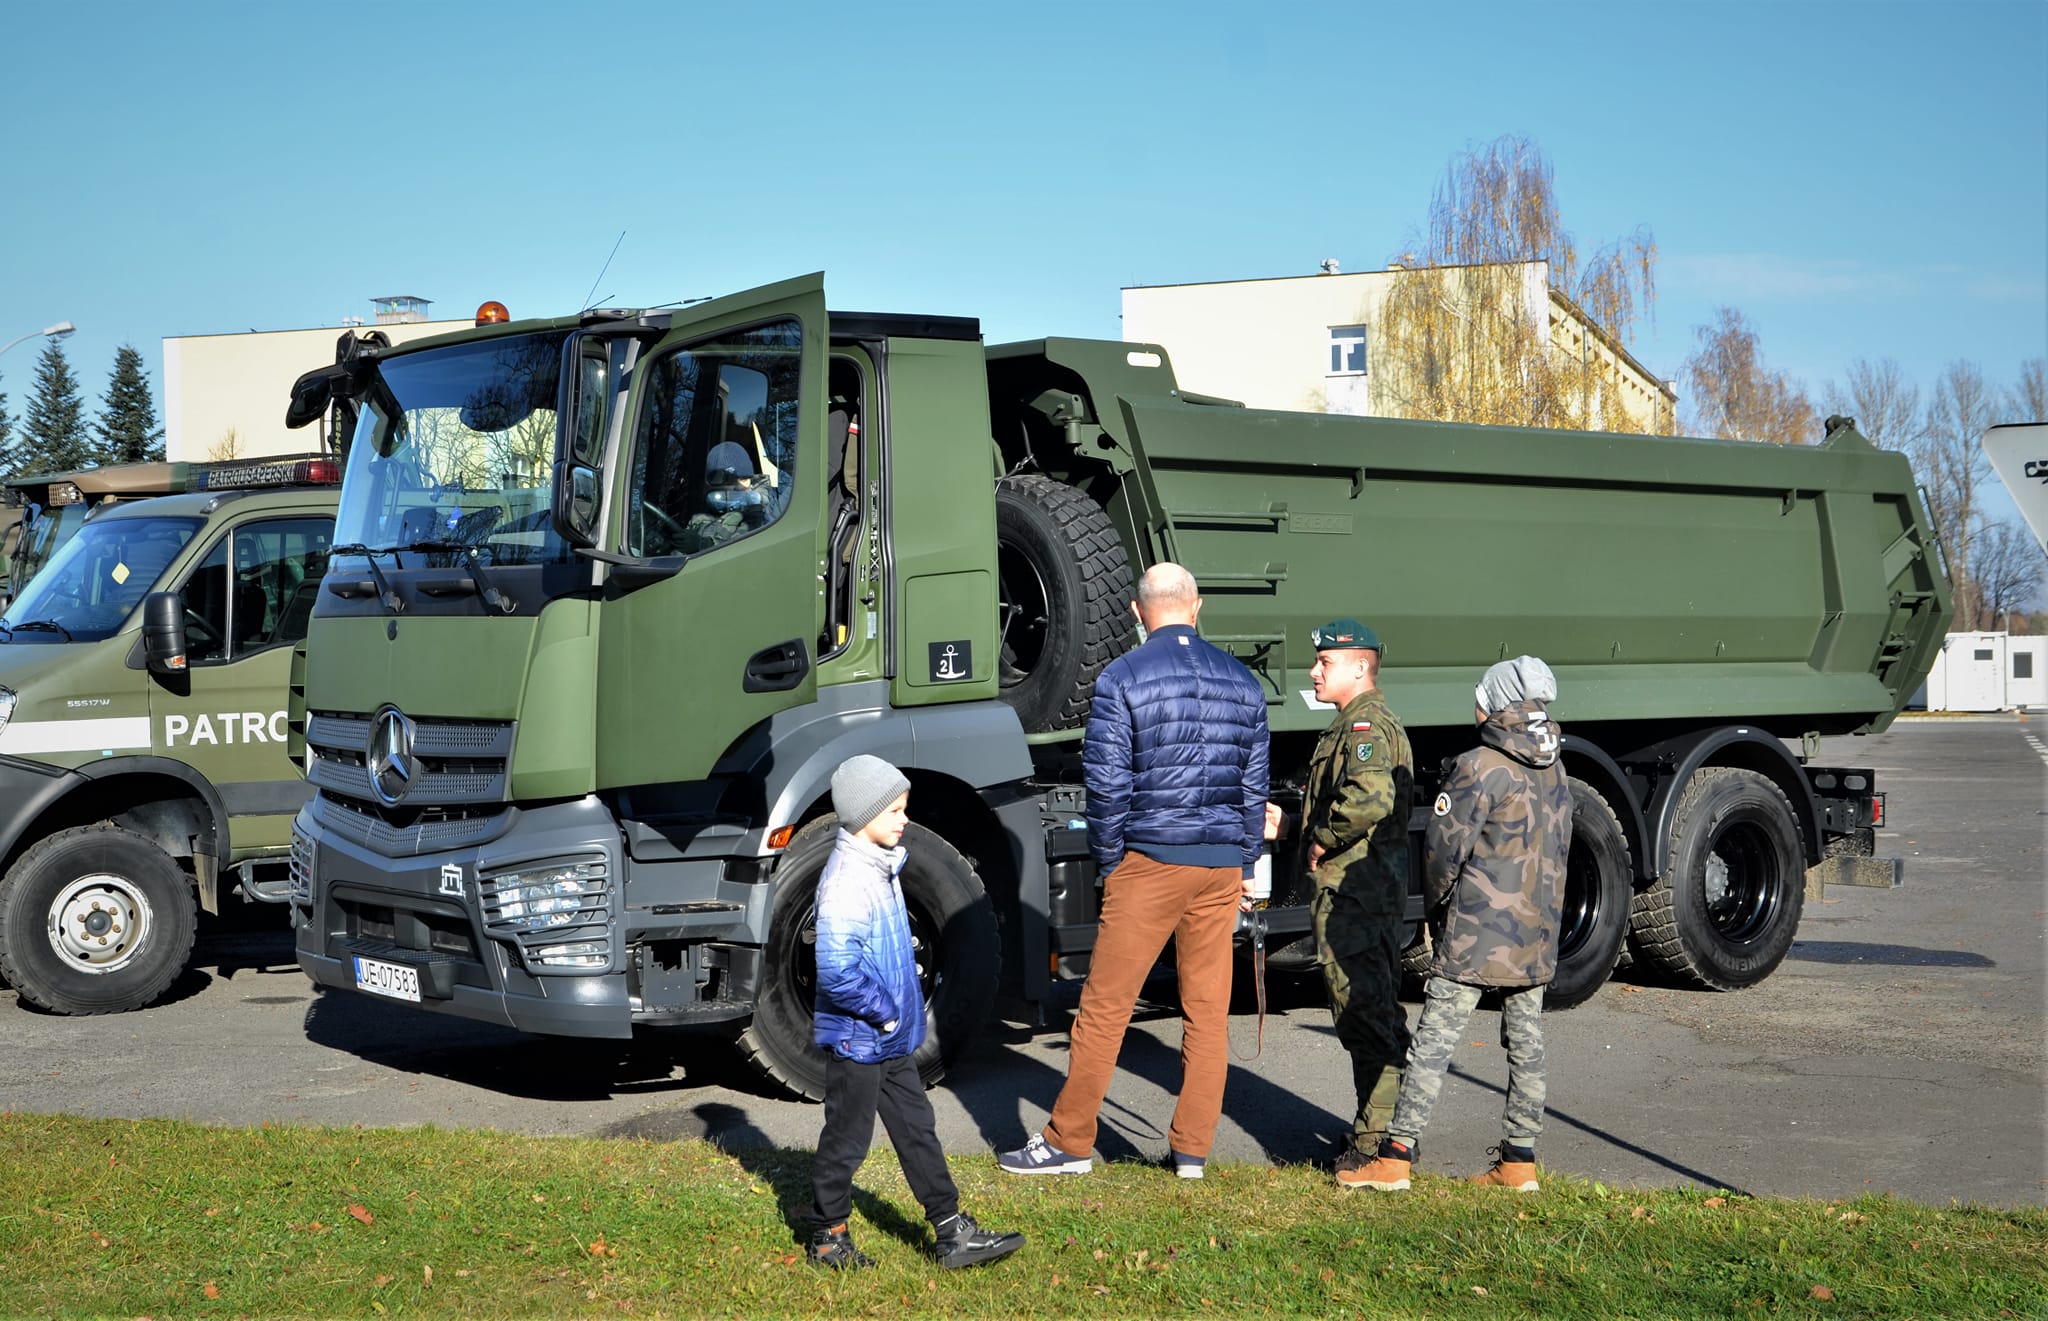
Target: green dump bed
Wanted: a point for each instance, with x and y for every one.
(1663, 579)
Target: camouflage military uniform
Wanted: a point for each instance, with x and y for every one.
(1494, 870)
(705, 530)
(1360, 784)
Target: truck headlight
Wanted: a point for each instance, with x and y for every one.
(540, 898)
(574, 954)
(6, 706)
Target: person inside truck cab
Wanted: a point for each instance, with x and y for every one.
(735, 500)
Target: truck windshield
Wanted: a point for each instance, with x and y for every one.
(454, 449)
(95, 580)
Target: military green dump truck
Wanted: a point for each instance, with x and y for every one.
(615, 593)
(143, 776)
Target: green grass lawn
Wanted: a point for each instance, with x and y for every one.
(160, 1219)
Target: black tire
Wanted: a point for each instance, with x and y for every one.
(1598, 889)
(952, 925)
(1065, 585)
(1726, 909)
(95, 920)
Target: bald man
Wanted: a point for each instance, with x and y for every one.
(1174, 758)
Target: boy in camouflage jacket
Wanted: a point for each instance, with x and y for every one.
(1493, 866)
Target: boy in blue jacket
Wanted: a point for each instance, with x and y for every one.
(869, 1022)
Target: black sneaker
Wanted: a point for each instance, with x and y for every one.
(834, 1248)
(961, 1242)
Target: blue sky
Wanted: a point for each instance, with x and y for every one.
(1862, 178)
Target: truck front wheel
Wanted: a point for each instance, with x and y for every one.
(1597, 892)
(1725, 911)
(95, 920)
(952, 928)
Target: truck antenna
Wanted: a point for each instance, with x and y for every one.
(587, 304)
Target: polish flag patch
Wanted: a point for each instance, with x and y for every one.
(1361, 727)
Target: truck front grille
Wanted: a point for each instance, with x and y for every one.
(459, 764)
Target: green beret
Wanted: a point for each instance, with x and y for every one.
(1345, 634)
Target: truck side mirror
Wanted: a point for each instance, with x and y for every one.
(163, 632)
(575, 503)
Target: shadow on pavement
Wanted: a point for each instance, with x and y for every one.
(1850, 951)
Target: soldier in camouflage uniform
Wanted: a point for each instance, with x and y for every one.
(1493, 866)
(1360, 784)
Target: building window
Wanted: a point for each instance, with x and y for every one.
(2023, 665)
(1347, 350)
(1984, 653)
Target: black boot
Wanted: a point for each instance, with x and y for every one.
(961, 1242)
(834, 1247)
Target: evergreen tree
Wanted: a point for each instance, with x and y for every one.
(6, 438)
(53, 433)
(127, 427)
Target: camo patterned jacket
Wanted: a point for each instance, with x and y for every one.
(1360, 783)
(1494, 856)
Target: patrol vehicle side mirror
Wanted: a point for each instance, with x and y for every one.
(163, 632)
(311, 394)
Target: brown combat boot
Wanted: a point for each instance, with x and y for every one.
(1386, 1172)
(1513, 1168)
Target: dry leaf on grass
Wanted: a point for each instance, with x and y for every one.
(212, 1290)
(1715, 1201)
(362, 1213)
(1821, 1292)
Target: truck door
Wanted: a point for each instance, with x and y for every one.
(721, 471)
(246, 604)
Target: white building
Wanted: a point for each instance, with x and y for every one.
(225, 395)
(1988, 672)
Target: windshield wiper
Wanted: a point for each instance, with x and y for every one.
(41, 626)
(493, 598)
(385, 595)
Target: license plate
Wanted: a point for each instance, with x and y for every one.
(379, 978)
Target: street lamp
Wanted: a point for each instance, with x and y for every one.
(58, 331)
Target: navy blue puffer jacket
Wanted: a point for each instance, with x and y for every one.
(1175, 756)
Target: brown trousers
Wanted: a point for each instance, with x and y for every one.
(1143, 903)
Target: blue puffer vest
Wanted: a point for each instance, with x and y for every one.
(1175, 756)
(867, 970)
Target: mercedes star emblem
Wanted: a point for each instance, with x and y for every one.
(388, 756)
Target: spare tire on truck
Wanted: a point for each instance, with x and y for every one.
(1724, 912)
(1065, 585)
(952, 927)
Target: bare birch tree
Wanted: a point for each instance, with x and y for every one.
(1884, 403)
(1735, 396)
(1465, 330)
(2010, 574)
(2029, 402)
(1950, 460)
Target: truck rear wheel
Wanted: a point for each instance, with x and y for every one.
(952, 928)
(1066, 589)
(1725, 911)
(1597, 892)
(95, 920)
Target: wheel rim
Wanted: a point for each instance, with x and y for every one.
(99, 923)
(924, 945)
(1026, 615)
(1580, 912)
(1744, 885)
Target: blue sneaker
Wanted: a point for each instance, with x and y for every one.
(1188, 1167)
(1040, 1157)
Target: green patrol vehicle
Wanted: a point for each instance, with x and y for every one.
(573, 690)
(143, 673)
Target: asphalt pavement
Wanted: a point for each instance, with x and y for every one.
(1900, 1047)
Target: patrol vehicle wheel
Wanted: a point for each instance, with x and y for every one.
(95, 920)
(1597, 892)
(1724, 913)
(1065, 585)
(952, 928)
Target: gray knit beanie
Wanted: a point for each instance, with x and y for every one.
(1523, 679)
(862, 787)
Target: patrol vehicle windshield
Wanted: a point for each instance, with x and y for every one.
(95, 580)
(453, 457)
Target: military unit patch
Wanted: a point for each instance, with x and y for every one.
(1364, 751)
(1443, 805)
